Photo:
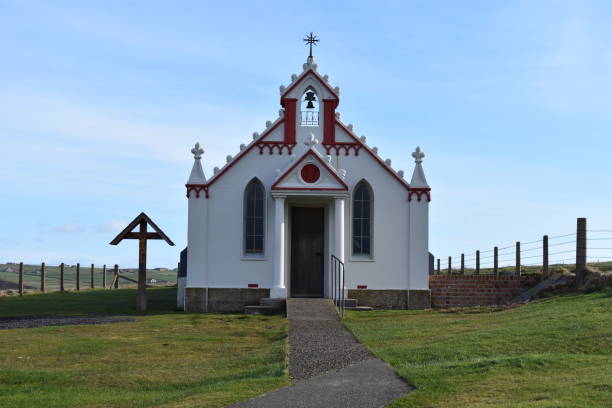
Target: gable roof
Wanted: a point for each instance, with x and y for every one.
(303, 77)
(330, 170)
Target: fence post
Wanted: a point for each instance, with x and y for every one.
(20, 278)
(78, 276)
(581, 249)
(104, 276)
(42, 277)
(116, 276)
(545, 255)
(463, 264)
(62, 277)
(92, 275)
(518, 259)
(438, 266)
(477, 262)
(496, 261)
(450, 266)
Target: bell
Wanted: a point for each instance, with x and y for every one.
(310, 97)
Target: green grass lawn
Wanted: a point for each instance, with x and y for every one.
(552, 353)
(164, 359)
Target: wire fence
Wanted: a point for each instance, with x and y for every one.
(22, 278)
(573, 250)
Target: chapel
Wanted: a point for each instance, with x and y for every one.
(303, 197)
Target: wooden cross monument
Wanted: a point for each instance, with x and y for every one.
(142, 236)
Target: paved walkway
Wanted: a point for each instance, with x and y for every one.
(328, 366)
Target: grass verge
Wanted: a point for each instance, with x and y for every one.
(164, 359)
(552, 353)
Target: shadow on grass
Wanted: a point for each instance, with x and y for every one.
(89, 302)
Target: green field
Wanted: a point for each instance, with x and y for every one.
(555, 352)
(164, 359)
(32, 276)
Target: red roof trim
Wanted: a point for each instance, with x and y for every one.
(243, 153)
(301, 78)
(297, 163)
(374, 155)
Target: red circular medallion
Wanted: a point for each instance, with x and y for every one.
(310, 173)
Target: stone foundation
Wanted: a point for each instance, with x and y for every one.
(392, 299)
(222, 300)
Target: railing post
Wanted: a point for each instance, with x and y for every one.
(104, 276)
(518, 259)
(78, 276)
(545, 255)
(477, 262)
(438, 266)
(450, 266)
(62, 277)
(496, 261)
(42, 277)
(463, 264)
(92, 276)
(20, 278)
(581, 249)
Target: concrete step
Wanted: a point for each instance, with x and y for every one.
(263, 310)
(277, 303)
(348, 303)
(360, 308)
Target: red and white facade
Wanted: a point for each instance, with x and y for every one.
(242, 230)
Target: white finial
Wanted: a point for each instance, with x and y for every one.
(281, 113)
(282, 89)
(242, 147)
(388, 162)
(337, 90)
(216, 170)
(338, 115)
(326, 78)
(401, 173)
(293, 77)
(312, 141)
(255, 135)
(268, 124)
(363, 139)
(228, 158)
(342, 173)
(329, 159)
(197, 151)
(418, 155)
(350, 127)
(375, 149)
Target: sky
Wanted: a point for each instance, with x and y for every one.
(101, 102)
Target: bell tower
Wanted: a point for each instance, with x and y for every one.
(310, 103)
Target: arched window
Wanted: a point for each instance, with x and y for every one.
(254, 214)
(362, 220)
(309, 108)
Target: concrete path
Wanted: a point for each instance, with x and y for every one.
(328, 366)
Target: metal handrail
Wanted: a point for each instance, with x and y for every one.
(338, 280)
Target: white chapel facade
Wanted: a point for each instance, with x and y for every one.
(267, 223)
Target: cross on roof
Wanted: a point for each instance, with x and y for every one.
(197, 151)
(311, 40)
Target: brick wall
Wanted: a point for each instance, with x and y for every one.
(476, 290)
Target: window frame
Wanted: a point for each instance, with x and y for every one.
(246, 255)
(362, 257)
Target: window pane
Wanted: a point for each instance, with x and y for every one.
(356, 228)
(365, 246)
(258, 226)
(258, 244)
(356, 246)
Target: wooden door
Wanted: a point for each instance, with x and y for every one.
(307, 249)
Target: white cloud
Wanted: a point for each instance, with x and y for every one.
(112, 226)
(71, 228)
